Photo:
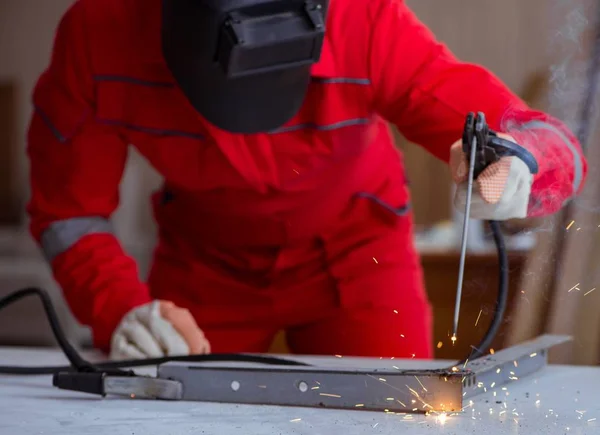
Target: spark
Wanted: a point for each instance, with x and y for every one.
(382, 380)
(516, 363)
(338, 356)
(477, 321)
(402, 335)
(441, 419)
(401, 403)
(375, 260)
(590, 291)
(570, 225)
(420, 383)
(439, 345)
(453, 338)
(533, 354)
(492, 351)
(575, 287)
(591, 419)
(396, 311)
(295, 420)
(498, 370)
(330, 395)
(375, 425)
(315, 388)
(359, 405)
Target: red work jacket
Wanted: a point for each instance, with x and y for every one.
(107, 86)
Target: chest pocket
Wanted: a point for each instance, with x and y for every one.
(156, 118)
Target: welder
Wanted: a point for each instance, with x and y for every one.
(285, 204)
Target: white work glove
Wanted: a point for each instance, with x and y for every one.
(156, 330)
(501, 191)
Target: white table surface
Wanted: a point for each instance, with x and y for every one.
(557, 401)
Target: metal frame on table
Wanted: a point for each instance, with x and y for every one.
(393, 390)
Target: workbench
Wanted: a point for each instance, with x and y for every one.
(556, 401)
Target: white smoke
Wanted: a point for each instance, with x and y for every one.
(570, 55)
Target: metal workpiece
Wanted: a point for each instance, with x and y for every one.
(379, 389)
(387, 389)
(509, 365)
(141, 387)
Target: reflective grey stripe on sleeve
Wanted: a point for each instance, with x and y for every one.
(577, 159)
(62, 235)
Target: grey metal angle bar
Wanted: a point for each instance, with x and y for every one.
(390, 390)
(509, 365)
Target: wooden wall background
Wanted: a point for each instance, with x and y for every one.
(10, 213)
(511, 38)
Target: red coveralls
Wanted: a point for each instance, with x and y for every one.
(307, 228)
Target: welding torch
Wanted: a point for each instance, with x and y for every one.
(482, 147)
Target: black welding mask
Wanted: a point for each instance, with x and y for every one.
(244, 65)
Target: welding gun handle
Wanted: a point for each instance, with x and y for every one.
(91, 383)
(506, 148)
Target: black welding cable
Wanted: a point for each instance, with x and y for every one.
(501, 298)
(72, 355)
(79, 364)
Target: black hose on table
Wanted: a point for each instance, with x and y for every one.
(79, 364)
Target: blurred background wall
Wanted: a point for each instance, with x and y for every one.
(513, 38)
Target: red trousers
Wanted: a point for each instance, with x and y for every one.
(355, 290)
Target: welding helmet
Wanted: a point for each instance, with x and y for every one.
(244, 65)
